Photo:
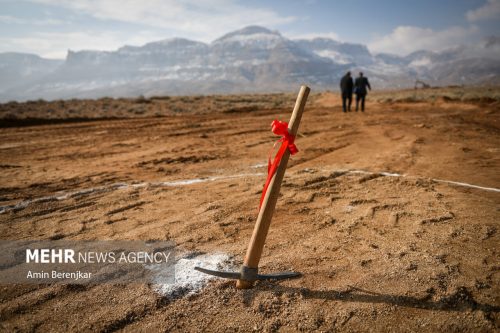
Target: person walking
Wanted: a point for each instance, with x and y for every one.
(360, 90)
(346, 85)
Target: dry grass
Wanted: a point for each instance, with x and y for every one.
(41, 111)
(445, 94)
(156, 106)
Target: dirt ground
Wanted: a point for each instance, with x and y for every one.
(383, 243)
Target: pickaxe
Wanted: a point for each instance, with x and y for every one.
(249, 271)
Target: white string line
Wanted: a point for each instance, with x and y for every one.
(390, 174)
(118, 186)
(467, 185)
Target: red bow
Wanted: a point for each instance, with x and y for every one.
(278, 128)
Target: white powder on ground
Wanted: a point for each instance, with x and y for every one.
(188, 280)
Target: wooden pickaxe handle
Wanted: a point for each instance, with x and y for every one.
(261, 228)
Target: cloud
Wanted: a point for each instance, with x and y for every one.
(146, 21)
(198, 19)
(41, 22)
(406, 39)
(56, 44)
(489, 11)
(331, 35)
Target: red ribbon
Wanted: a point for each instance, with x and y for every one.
(278, 128)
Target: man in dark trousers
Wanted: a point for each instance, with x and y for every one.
(346, 90)
(360, 90)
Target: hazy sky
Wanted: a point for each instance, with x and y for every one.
(51, 27)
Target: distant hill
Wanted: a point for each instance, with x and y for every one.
(253, 59)
(20, 68)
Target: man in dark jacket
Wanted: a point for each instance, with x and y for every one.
(346, 90)
(360, 90)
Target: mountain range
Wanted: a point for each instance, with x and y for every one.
(253, 59)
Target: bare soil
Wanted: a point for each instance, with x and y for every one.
(378, 251)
